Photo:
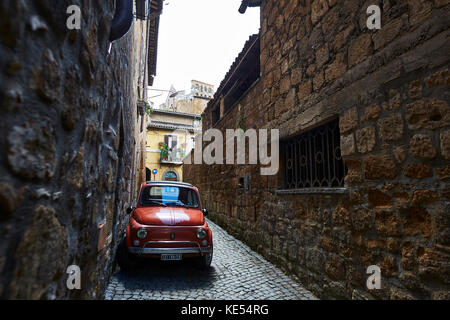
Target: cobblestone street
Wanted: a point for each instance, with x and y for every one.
(237, 273)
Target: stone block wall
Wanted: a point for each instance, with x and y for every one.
(70, 136)
(390, 90)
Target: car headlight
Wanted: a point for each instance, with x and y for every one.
(141, 233)
(201, 233)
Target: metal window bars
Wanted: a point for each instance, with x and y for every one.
(313, 159)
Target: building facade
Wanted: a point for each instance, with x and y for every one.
(364, 122)
(170, 137)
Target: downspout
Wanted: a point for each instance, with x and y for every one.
(123, 19)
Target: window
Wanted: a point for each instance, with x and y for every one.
(313, 159)
(244, 182)
(169, 196)
(171, 141)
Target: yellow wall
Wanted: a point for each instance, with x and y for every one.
(153, 159)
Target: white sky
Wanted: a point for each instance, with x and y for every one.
(199, 39)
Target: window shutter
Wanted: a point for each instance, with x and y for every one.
(174, 141)
(166, 140)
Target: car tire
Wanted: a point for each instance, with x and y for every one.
(204, 262)
(123, 257)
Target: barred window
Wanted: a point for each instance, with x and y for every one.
(313, 159)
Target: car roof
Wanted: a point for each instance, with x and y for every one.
(179, 183)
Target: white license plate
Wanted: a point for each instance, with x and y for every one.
(171, 256)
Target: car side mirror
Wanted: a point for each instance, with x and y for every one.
(205, 212)
(130, 209)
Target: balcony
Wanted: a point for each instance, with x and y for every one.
(174, 157)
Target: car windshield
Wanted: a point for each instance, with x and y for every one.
(169, 196)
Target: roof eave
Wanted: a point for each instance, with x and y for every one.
(153, 32)
(249, 3)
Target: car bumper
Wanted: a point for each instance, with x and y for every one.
(197, 249)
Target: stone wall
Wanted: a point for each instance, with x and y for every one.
(70, 145)
(390, 90)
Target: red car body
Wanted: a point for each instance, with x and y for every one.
(171, 231)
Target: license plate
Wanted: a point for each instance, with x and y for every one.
(171, 256)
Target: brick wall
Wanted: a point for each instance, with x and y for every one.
(389, 89)
(69, 138)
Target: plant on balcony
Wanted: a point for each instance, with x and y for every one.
(164, 151)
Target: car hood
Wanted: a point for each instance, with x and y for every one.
(169, 216)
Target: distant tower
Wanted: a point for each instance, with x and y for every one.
(201, 94)
(202, 90)
(194, 102)
(170, 101)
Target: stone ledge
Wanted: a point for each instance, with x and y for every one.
(313, 191)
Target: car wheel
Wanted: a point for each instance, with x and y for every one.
(204, 262)
(123, 258)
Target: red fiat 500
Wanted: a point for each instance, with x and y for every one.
(168, 224)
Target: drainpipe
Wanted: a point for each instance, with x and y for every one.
(123, 19)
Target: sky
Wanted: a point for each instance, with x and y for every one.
(199, 40)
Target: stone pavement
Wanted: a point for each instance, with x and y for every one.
(236, 273)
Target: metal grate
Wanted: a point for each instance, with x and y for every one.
(313, 159)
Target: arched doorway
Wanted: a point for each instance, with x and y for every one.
(170, 176)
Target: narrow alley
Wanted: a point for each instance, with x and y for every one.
(236, 273)
(246, 149)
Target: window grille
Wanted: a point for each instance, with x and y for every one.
(313, 159)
